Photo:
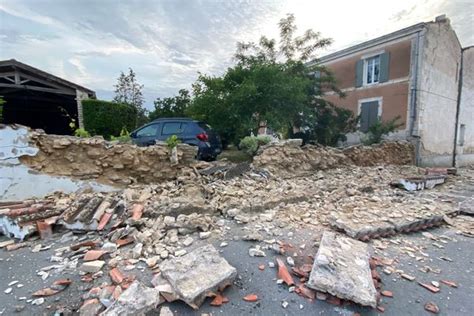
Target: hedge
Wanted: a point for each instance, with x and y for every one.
(107, 118)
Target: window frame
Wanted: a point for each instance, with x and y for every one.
(366, 69)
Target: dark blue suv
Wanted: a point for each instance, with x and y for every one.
(189, 131)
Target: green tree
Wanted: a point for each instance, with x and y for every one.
(271, 82)
(171, 107)
(129, 91)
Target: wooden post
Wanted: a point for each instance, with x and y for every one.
(80, 95)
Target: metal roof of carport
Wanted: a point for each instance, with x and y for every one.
(45, 77)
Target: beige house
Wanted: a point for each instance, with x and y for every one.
(420, 74)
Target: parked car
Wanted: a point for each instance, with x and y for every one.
(188, 131)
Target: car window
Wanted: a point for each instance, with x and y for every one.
(173, 128)
(148, 131)
(204, 126)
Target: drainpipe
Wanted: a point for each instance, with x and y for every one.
(413, 101)
(458, 108)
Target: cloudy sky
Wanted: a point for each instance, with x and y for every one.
(167, 42)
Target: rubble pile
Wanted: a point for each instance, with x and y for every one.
(386, 153)
(112, 163)
(289, 159)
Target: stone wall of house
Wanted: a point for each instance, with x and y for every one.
(106, 162)
(289, 159)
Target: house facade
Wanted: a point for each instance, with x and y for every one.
(421, 75)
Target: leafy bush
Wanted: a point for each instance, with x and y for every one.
(380, 129)
(124, 136)
(108, 118)
(172, 141)
(250, 144)
(82, 133)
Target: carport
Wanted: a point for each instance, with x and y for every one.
(38, 99)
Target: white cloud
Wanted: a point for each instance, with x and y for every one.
(168, 42)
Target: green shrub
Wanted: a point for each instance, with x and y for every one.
(108, 118)
(172, 141)
(380, 129)
(250, 144)
(82, 133)
(124, 136)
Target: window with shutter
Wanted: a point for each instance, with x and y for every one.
(369, 115)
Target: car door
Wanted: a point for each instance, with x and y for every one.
(147, 135)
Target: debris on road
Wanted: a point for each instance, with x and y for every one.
(250, 298)
(341, 268)
(196, 274)
(137, 299)
(432, 307)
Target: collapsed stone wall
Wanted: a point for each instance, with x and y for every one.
(288, 158)
(95, 158)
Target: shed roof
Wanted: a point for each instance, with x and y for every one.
(15, 64)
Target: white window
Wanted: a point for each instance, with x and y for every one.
(372, 70)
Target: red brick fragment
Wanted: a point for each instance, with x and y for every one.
(375, 275)
(334, 300)
(387, 293)
(116, 276)
(218, 300)
(449, 283)
(432, 307)
(137, 211)
(104, 220)
(306, 292)
(430, 287)
(44, 230)
(87, 278)
(124, 241)
(92, 255)
(225, 299)
(261, 267)
(381, 309)
(62, 282)
(283, 273)
(251, 298)
(89, 243)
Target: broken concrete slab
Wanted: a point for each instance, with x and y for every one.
(341, 268)
(137, 299)
(419, 183)
(195, 275)
(92, 266)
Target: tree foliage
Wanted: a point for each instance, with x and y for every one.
(271, 82)
(129, 91)
(380, 129)
(108, 118)
(171, 107)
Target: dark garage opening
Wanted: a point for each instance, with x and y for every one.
(49, 111)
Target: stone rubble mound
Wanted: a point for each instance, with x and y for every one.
(107, 162)
(289, 159)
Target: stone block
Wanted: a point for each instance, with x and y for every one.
(341, 268)
(92, 266)
(195, 275)
(136, 300)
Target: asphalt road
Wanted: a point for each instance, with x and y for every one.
(409, 297)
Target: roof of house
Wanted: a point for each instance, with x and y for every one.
(370, 43)
(16, 64)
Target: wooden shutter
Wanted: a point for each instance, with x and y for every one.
(369, 115)
(359, 73)
(384, 67)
